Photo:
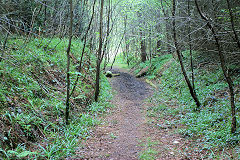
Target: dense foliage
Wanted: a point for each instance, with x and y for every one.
(32, 100)
(211, 126)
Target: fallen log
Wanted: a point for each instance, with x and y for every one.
(151, 83)
(109, 74)
(143, 72)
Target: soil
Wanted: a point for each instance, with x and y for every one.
(119, 134)
(126, 131)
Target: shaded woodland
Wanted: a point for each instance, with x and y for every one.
(54, 53)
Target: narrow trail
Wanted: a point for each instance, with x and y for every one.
(126, 131)
(120, 134)
(130, 116)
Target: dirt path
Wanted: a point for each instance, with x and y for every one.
(120, 134)
(127, 131)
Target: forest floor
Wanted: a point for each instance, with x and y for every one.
(127, 133)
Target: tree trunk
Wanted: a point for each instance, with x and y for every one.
(126, 40)
(108, 30)
(167, 27)
(99, 55)
(179, 55)
(143, 51)
(190, 47)
(107, 37)
(68, 62)
(224, 68)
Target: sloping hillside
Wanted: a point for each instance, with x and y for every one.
(33, 96)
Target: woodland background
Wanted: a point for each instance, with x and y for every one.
(54, 52)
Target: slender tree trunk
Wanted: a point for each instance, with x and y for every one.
(190, 46)
(115, 55)
(108, 30)
(167, 26)
(223, 66)
(143, 51)
(142, 40)
(143, 48)
(179, 55)
(99, 55)
(159, 42)
(68, 63)
(126, 40)
(150, 46)
(108, 33)
(83, 49)
(232, 23)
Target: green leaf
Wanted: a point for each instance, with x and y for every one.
(25, 153)
(79, 73)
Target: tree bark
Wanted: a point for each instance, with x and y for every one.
(179, 55)
(68, 63)
(143, 51)
(107, 37)
(99, 55)
(190, 47)
(126, 40)
(167, 27)
(224, 68)
(108, 30)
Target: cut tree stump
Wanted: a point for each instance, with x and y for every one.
(109, 74)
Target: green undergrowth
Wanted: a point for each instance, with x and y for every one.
(119, 62)
(148, 153)
(156, 66)
(172, 102)
(32, 99)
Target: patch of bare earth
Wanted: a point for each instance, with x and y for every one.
(119, 134)
(125, 132)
